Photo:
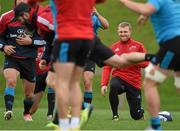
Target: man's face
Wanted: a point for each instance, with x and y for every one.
(26, 16)
(124, 33)
(19, 1)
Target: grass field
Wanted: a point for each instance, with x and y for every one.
(100, 120)
(101, 117)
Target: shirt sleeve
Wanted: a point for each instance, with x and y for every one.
(106, 72)
(156, 3)
(2, 32)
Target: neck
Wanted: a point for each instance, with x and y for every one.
(125, 41)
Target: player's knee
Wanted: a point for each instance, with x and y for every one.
(87, 83)
(29, 96)
(50, 80)
(153, 74)
(11, 82)
(114, 87)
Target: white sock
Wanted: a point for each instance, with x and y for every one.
(64, 124)
(75, 122)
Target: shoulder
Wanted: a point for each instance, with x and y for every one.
(115, 44)
(137, 42)
(7, 15)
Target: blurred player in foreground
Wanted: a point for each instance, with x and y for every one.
(167, 58)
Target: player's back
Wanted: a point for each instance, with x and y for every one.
(166, 28)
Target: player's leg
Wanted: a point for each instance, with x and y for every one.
(116, 87)
(63, 72)
(177, 81)
(28, 77)
(88, 75)
(10, 73)
(51, 103)
(37, 99)
(75, 97)
(134, 99)
(153, 77)
(63, 64)
(38, 92)
(29, 98)
(50, 79)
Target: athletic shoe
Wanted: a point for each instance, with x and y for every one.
(52, 125)
(49, 117)
(85, 115)
(115, 118)
(27, 117)
(8, 115)
(143, 117)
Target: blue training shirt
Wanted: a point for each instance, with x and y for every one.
(166, 19)
(96, 23)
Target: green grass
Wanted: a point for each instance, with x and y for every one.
(101, 118)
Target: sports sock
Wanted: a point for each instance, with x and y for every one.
(51, 101)
(9, 98)
(75, 122)
(84, 105)
(64, 124)
(155, 123)
(27, 105)
(88, 97)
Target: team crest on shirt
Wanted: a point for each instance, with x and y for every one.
(132, 47)
(117, 49)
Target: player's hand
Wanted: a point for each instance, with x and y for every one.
(103, 90)
(25, 40)
(142, 19)
(42, 64)
(9, 49)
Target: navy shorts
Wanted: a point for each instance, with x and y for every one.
(168, 55)
(26, 67)
(75, 51)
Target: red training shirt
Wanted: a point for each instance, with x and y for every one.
(73, 19)
(130, 74)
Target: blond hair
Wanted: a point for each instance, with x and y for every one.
(125, 24)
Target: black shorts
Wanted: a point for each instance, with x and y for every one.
(26, 67)
(89, 66)
(40, 83)
(100, 52)
(168, 56)
(75, 51)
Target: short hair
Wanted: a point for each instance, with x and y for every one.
(125, 24)
(21, 8)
